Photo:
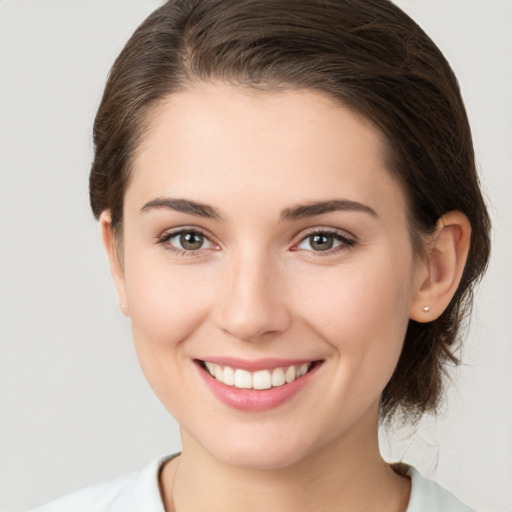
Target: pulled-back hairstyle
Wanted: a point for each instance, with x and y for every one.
(365, 54)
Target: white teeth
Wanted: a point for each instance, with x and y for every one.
(243, 379)
(290, 374)
(262, 379)
(229, 376)
(278, 377)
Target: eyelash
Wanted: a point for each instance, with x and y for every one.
(346, 242)
(165, 238)
(343, 239)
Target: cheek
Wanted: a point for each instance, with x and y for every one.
(362, 311)
(167, 302)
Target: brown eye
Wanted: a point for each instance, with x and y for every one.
(186, 241)
(321, 242)
(191, 241)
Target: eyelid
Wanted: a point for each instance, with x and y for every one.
(326, 230)
(168, 234)
(348, 239)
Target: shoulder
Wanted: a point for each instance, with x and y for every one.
(129, 493)
(428, 495)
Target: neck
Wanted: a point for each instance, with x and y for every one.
(346, 475)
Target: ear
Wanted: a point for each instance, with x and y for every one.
(116, 265)
(439, 275)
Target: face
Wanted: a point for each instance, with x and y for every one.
(265, 242)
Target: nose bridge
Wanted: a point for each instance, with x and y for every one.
(251, 302)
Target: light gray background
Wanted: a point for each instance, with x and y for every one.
(74, 407)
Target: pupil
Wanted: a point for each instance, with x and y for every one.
(191, 241)
(322, 242)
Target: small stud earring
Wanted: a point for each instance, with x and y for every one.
(426, 309)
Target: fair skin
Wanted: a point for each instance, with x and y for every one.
(229, 168)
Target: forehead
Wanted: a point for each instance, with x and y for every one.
(292, 144)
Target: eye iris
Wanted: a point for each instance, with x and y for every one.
(321, 242)
(191, 241)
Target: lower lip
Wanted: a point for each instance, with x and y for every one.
(256, 400)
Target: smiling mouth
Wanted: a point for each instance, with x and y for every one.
(258, 380)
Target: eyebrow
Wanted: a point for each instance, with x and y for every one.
(184, 206)
(301, 211)
(304, 211)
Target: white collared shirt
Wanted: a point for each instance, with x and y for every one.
(139, 492)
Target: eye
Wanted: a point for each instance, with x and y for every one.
(323, 241)
(186, 240)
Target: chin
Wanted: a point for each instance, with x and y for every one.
(260, 452)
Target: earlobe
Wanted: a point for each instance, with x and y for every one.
(441, 272)
(116, 266)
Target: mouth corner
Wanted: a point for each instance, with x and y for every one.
(201, 364)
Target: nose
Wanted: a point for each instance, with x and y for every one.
(252, 300)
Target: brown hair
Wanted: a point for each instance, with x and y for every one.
(369, 56)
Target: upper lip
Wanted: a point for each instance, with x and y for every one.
(253, 365)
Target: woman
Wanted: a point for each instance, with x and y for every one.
(288, 199)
